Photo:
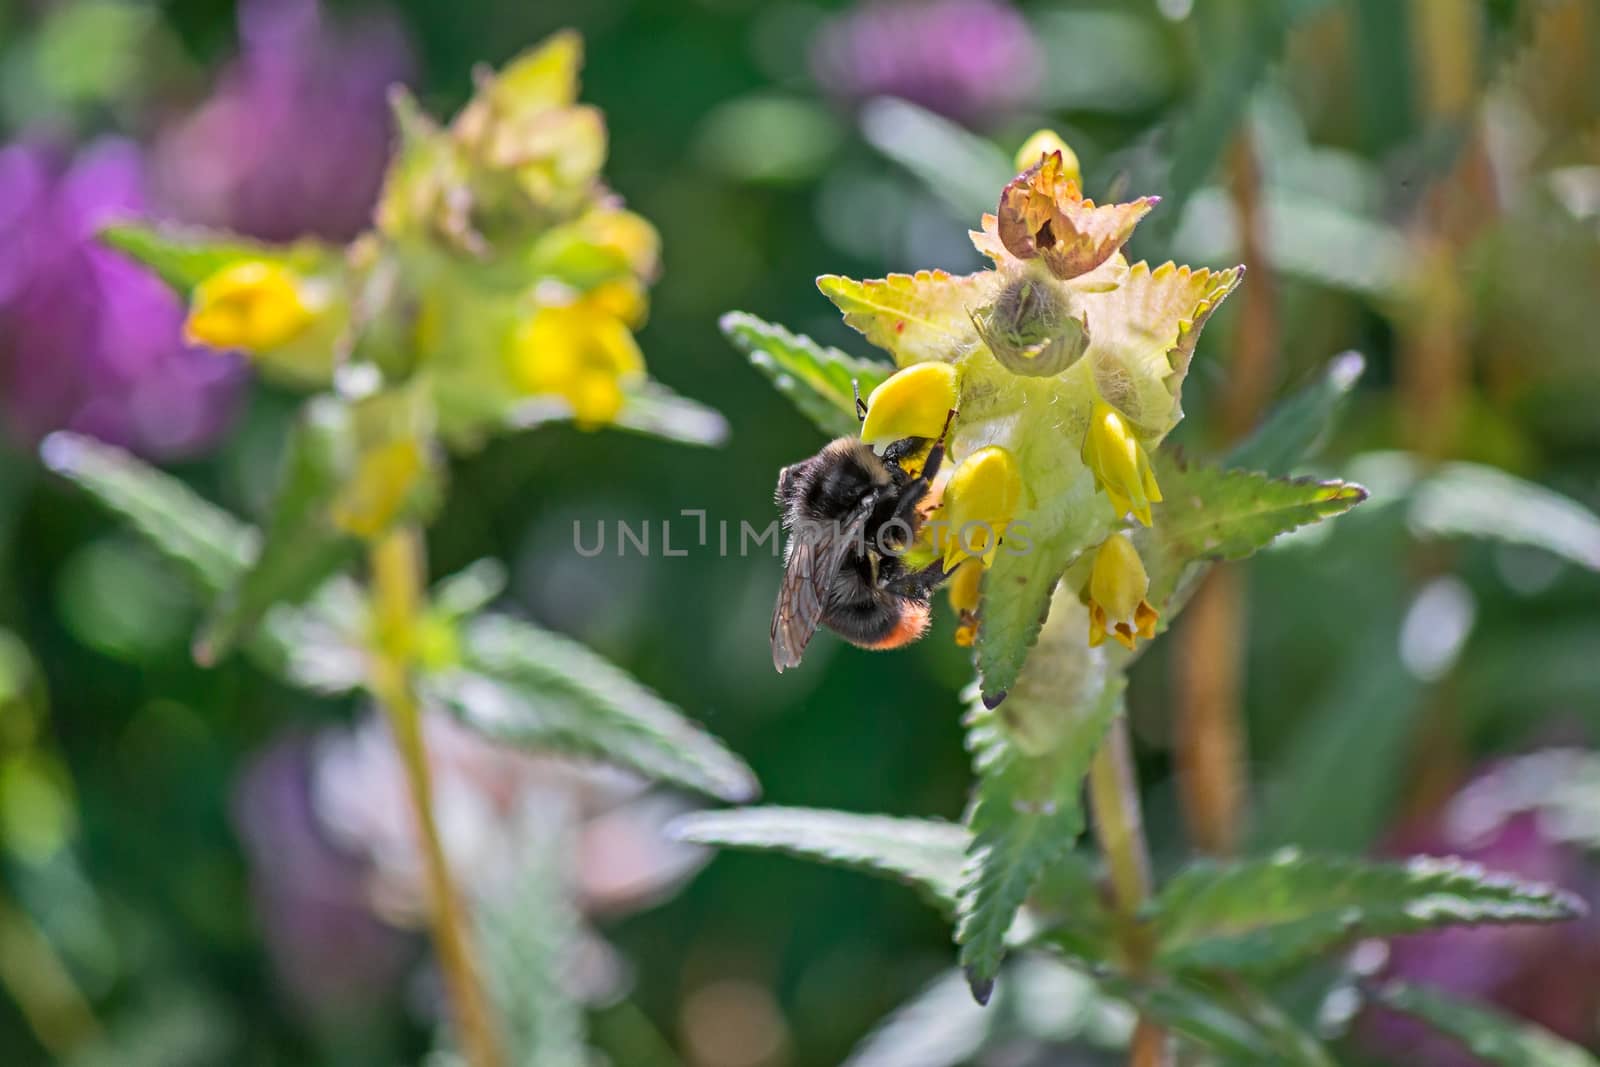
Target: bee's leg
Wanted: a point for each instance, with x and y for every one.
(930, 466)
(917, 584)
(861, 405)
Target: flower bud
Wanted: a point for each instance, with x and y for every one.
(1030, 330)
(255, 305)
(915, 402)
(1119, 462)
(1118, 585)
(980, 501)
(1041, 144)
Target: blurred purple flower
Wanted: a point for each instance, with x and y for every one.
(1548, 974)
(295, 138)
(89, 341)
(328, 825)
(967, 59)
(331, 956)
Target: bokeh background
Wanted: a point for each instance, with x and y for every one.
(1416, 181)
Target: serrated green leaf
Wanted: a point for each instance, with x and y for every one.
(1211, 514)
(302, 548)
(924, 853)
(315, 648)
(1031, 755)
(522, 685)
(1296, 427)
(1471, 500)
(1037, 550)
(1237, 1023)
(468, 590)
(917, 318)
(939, 1027)
(1476, 501)
(1491, 1036)
(1040, 999)
(1262, 915)
(653, 409)
(183, 257)
(817, 380)
(528, 937)
(212, 546)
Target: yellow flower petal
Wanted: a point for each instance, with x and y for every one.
(914, 402)
(1120, 464)
(580, 352)
(254, 305)
(980, 501)
(622, 299)
(965, 591)
(1117, 589)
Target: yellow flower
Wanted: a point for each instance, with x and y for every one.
(382, 485)
(582, 351)
(965, 588)
(980, 501)
(1118, 585)
(1119, 462)
(915, 402)
(625, 235)
(1044, 143)
(255, 305)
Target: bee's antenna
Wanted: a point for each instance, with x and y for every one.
(861, 407)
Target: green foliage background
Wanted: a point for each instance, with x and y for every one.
(153, 743)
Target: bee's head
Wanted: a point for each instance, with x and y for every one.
(785, 488)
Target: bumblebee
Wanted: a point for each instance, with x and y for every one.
(850, 514)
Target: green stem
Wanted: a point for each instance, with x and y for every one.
(1119, 829)
(397, 563)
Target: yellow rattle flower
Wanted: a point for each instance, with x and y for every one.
(915, 402)
(1119, 462)
(1118, 585)
(980, 501)
(255, 305)
(582, 351)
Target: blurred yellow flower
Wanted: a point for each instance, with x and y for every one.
(255, 305)
(1119, 462)
(915, 402)
(583, 352)
(980, 501)
(1118, 585)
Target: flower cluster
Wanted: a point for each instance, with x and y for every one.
(503, 280)
(1064, 365)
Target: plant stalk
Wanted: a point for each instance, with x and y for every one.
(1209, 723)
(1119, 829)
(397, 564)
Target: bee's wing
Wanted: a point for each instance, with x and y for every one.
(816, 551)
